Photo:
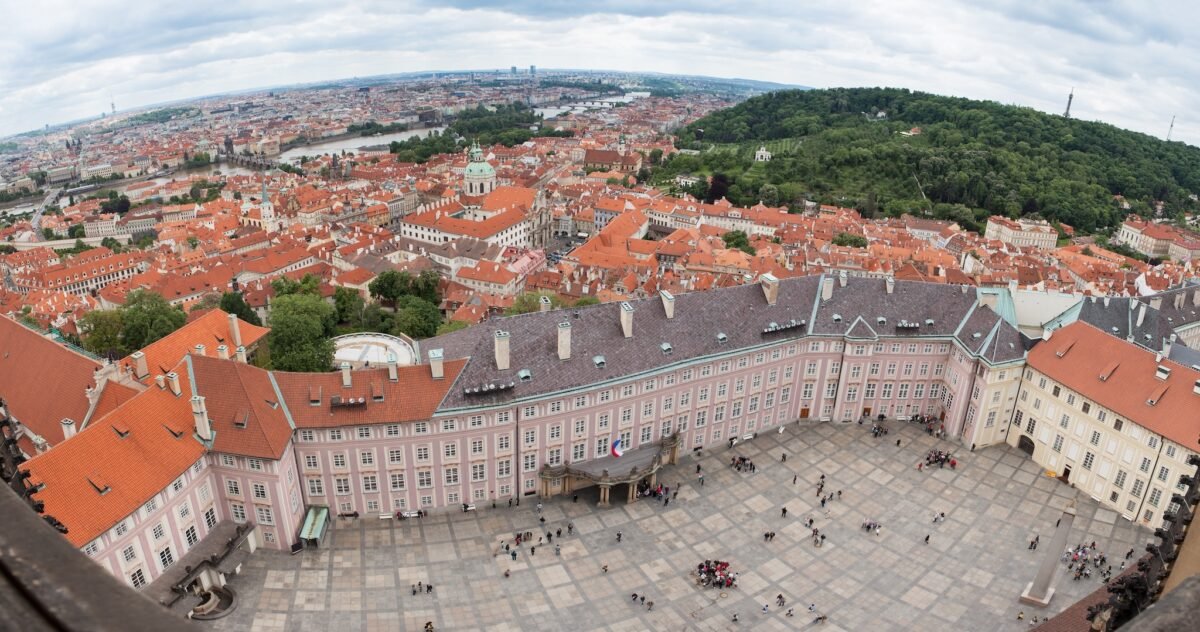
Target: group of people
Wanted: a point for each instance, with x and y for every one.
(878, 430)
(743, 464)
(659, 491)
(940, 458)
(715, 574)
(871, 525)
(1083, 557)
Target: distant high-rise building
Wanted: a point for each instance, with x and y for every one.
(514, 70)
(532, 69)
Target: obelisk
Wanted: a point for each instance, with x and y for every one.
(1039, 591)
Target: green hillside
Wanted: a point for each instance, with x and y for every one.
(971, 159)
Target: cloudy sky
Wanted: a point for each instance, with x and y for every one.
(1132, 62)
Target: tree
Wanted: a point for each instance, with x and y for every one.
(390, 285)
(848, 239)
(738, 239)
(148, 317)
(416, 318)
(193, 242)
(301, 325)
(111, 243)
(349, 304)
(207, 302)
(769, 194)
(48, 233)
(656, 156)
(101, 331)
(310, 284)
(718, 188)
(234, 303)
(584, 301)
(531, 302)
(451, 326)
(76, 231)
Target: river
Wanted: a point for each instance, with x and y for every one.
(353, 144)
(553, 111)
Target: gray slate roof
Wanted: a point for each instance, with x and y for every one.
(741, 313)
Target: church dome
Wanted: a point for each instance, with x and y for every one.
(478, 167)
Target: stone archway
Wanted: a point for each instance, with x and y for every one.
(1025, 444)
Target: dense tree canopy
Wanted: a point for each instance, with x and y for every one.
(235, 303)
(528, 302)
(738, 239)
(143, 319)
(301, 327)
(390, 285)
(508, 125)
(856, 147)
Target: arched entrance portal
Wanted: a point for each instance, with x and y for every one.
(1025, 444)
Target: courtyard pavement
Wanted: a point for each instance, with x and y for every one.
(967, 577)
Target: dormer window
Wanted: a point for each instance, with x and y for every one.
(722, 338)
(525, 375)
(666, 348)
(598, 361)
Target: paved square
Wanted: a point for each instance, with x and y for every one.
(966, 578)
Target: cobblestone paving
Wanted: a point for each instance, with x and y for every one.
(967, 577)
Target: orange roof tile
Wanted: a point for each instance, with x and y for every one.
(27, 361)
(210, 330)
(112, 467)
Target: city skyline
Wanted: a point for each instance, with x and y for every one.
(1114, 56)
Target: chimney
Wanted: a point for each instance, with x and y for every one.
(241, 354)
(544, 303)
(841, 278)
(668, 301)
(770, 287)
(223, 352)
(436, 369)
(235, 330)
(200, 414)
(161, 381)
(1141, 314)
(1046, 333)
(1156, 302)
(1196, 387)
(826, 288)
(501, 350)
(1166, 350)
(200, 350)
(345, 375)
(890, 284)
(393, 374)
(68, 426)
(564, 340)
(173, 382)
(627, 319)
(140, 369)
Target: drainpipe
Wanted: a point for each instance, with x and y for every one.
(518, 466)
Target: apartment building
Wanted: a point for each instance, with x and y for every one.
(1109, 417)
(1022, 232)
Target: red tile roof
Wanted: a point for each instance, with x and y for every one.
(413, 397)
(243, 408)
(28, 361)
(1079, 353)
(210, 330)
(133, 452)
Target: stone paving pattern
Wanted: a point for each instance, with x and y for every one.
(967, 578)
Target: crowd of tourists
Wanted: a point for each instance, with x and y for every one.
(715, 574)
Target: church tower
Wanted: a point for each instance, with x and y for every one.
(479, 178)
(266, 209)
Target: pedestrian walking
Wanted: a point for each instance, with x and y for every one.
(635, 596)
(794, 477)
(649, 606)
(414, 588)
(784, 511)
(558, 533)
(532, 550)
(702, 480)
(788, 613)
(514, 556)
(926, 538)
(784, 459)
(735, 617)
(643, 600)
(766, 607)
(675, 494)
(570, 528)
(428, 588)
(604, 569)
(619, 534)
(812, 607)
(557, 550)
(575, 498)
(539, 507)
(897, 443)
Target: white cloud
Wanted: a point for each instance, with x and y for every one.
(1131, 63)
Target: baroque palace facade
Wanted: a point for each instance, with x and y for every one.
(532, 404)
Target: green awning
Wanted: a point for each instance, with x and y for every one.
(314, 523)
